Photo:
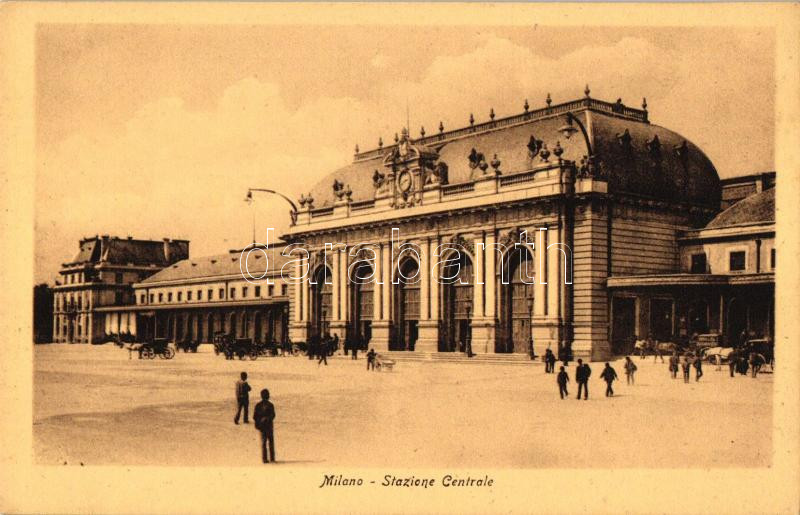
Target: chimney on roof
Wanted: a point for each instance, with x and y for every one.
(167, 250)
(103, 245)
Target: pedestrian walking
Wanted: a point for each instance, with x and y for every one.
(354, 347)
(756, 362)
(733, 359)
(686, 367)
(371, 359)
(630, 370)
(562, 379)
(673, 365)
(609, 375)
(582, 374)
(549, 361)
(323, 350)
(698, 367)
(242, 398)
(264, 416)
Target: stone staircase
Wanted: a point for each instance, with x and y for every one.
(460, 357)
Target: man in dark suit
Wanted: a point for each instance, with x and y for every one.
(582, 373)
(242, 398)
(263, 416)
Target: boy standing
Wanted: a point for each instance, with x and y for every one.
(562, 380)
(263, 416)
(371, 359)
(242, 398)
(630, 369)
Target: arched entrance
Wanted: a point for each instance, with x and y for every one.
(199, 320)
(361, 304)
(232, 324)
(406, 327)
(457, 294)
(257, 324)
(321, 295)
(517, 303)
(211, 328)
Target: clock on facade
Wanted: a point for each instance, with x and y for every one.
(404, 182)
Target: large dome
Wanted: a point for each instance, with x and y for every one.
(636, 156)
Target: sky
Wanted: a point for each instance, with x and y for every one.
(157, 131)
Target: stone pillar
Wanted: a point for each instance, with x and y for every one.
(380, 322)
(490, 277)
(540, 288)
(546, 296)
(298, 330)
(434, 243)
(482, 337)
(339, 296)
(428, 340)
(424, 287)
(335, 299)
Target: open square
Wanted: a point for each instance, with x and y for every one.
(94, 406)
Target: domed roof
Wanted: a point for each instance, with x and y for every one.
(758, 208)
(636, 156)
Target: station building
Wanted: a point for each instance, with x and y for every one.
(600, 191)
(579, 227)
(100, 277)
(195, 298)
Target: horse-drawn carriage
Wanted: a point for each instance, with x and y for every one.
(148, 349)
(187, 345)
(232, 347)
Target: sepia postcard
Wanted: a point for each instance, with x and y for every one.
(399, 258)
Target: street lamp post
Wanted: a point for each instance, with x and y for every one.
(468, 336)
(530, 328)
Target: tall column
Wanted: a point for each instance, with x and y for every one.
(338, 324)
(335, 298)
(490, 277)
(540, 288)
(298, 293)
(424, 291)
(377, 290)
(483, 321)
(428, 340)
(306, 290)
(554, 266)
(434, 244)
(477, 308)
(380, 322)
(387, 281)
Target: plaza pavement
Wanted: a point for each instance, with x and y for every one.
(93, 405)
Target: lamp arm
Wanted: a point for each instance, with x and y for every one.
(284, 197)
(585, 134)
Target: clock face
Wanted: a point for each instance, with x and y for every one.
(404, 181)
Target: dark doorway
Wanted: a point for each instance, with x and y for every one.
(661, 319)
(406, 328)
(623, 332)
(457, 295)
(321, 297)
(517, 297)
(362, 304)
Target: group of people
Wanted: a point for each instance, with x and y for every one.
(320, 347)
(582, 374)
(741, 361)
(263, 416)
(686, 364)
